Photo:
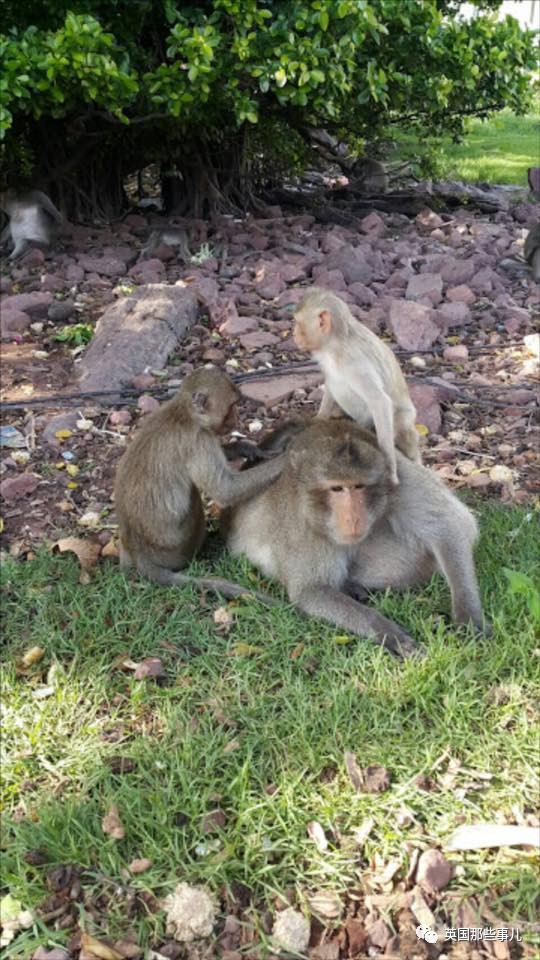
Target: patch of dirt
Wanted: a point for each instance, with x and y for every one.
(474, 384)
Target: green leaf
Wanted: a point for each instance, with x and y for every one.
(280, 77)
(324, 20)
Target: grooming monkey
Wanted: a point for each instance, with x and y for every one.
(361, 373)
(174, 456)
(33, 219)
(332, 525)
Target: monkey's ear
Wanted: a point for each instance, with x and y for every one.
(325, 321)
(200, 401)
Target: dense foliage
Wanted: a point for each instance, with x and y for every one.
(95, 89)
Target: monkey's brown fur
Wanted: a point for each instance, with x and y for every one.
(531, 251)
(397, 537)
(174, 455)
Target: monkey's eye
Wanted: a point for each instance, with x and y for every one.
(359, 486)
(337, 489)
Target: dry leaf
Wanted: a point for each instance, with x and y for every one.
(422, 429)
(376, 779)
(86, 551)
(362, 832)
(72, 469)
(231, 746)
(223, 619)
(112, 824)
(99, 948)
(244, 650)
(298, 651)
(139, 866)
(33, 655)
(355, 774)
(62, 434)
(326, 903)
(151, 667)
(318, 835)
(110, 549)
(342, 639)
(478, 835)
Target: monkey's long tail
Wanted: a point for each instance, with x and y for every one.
(224, 588)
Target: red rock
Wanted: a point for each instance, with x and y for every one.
(433, 872)
(412, 325)
(294, 272)
(352, 263)
(273, 391)
(460, 294)
(363, 296)
(252, 341)
(214, 821)
(425, 285)
(34, 304)
(237, 326)
(427, 220)
(13, 488)
(518, 396)
(456, 272)
(164, 253)
(13, 321)
(428, 411)
(53, 283)
(485, 282)
(452, 315)
(270, 286)
(333, 241)
(373, 225)
(120, 417)
(74, 273)
(291, 297)
(60, 311)
(34, 258)
(147, 404)
(457, 353)
(104, 266)
(143, 381)
(329, 279)
(62, 421)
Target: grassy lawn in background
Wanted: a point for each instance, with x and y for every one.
(498, 150)
(255, 722)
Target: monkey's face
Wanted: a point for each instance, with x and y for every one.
(213, 399)
(345, 477)
(312, 328)
(346, 510)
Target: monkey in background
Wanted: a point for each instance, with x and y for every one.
(33, 220)
(361, 373)
(369, 176)
(531, 251)
(332, 525)
(174, 456)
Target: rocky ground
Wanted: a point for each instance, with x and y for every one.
(461, 324)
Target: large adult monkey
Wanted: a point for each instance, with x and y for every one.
(173, 456)
(332, 525)
(361, 373)
(33, 219)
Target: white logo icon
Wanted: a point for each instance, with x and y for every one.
(423, 932)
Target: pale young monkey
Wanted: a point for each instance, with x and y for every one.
(361, 373)
(33, 219)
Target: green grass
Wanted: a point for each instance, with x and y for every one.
(288, 711)
(498, 150)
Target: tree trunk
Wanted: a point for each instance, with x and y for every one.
(209, 178)
(82, 172)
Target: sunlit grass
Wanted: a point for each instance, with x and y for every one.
(497, 150)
